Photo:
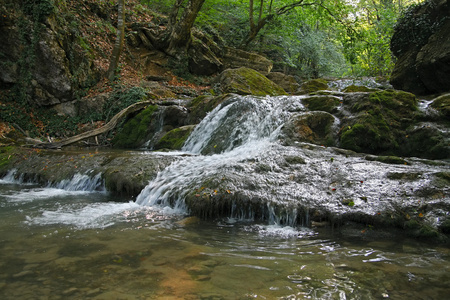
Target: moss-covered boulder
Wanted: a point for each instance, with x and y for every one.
(313, 85)
(246, 81)
(136, 130)
(358, 88)
(442, 104)
(427, 140)
(379, 122)
(323, 103)
(174, 139)
(313, 127)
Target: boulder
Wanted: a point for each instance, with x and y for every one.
(326, 103)
(442, 104)
(287, 82)
(313, 127)
(422, 46)
(174, 139)
(313, 85)
(378, 121)
(246, 81)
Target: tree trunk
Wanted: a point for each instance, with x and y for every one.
(180, 30)
(119, 41)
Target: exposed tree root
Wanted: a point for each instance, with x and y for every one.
(104, 129)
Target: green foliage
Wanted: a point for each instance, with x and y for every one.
(38, 9)
(134, 131)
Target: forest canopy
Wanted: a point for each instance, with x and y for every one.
(307, 38)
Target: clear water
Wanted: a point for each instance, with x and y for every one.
(61, 244)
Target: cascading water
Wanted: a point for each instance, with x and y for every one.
(240, 167)
(237, 130)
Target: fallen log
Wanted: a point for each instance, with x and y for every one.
(95, 132)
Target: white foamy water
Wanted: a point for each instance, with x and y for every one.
(33, 194)
(243, 127)
(95, 215)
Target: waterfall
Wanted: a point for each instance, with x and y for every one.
(81, 182)
(237, 130)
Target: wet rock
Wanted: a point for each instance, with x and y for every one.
(200, 106)
(174, 139)
(387, 160)
(313, 127)
(246, 81)
(136, 131)
(69, 291)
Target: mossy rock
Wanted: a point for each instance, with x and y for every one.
(380, 123)
(136, 130)
(371, 135)
(426, 140)
(397, 100)
(246, 81)
(358, 88)
(322, 103)
(442, 104)
(175, 138)
(313, 85)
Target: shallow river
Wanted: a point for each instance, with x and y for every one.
(60, 244)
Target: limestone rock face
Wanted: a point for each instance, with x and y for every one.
(245, 81)
(44, 61)
(422, 46)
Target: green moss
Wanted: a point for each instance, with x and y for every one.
(322, 103)
(372, 134)
(134, 131)
(175, 138)
(313, 85)
(246, 81)
(397, 100)
(357, 88)
(442, 104)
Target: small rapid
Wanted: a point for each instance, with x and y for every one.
(236, 164)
